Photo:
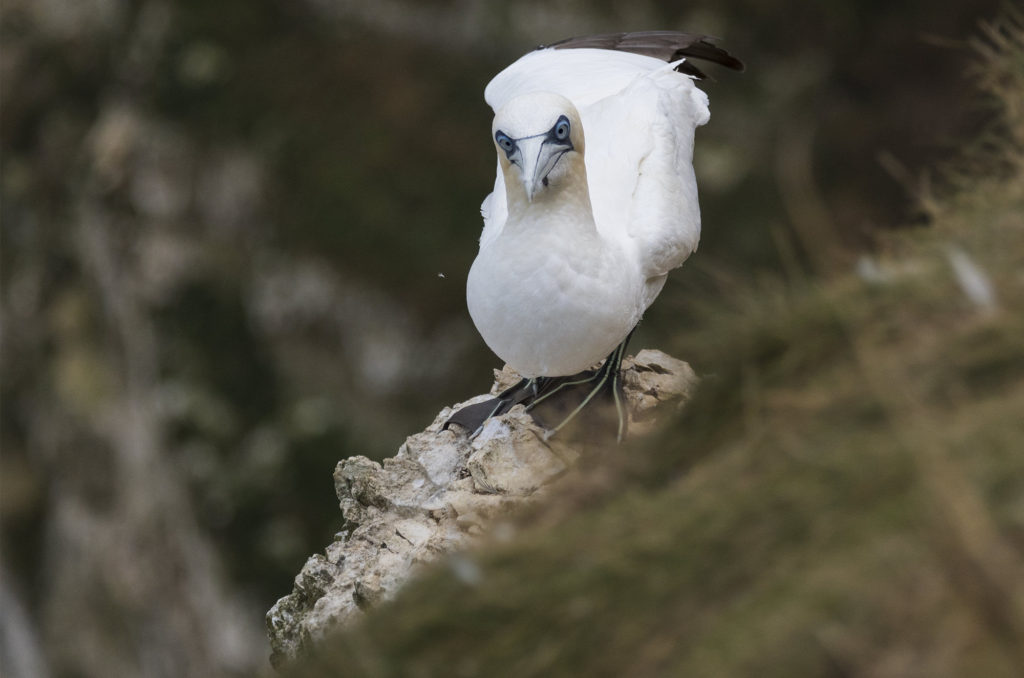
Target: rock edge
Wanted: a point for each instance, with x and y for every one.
(435, 496)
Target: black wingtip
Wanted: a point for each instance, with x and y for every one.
(667, 45)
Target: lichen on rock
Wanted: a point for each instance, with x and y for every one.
(435, 495)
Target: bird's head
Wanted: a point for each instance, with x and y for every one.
(539, 140)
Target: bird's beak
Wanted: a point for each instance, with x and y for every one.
(537, 157)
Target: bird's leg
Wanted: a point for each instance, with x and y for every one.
(591, 376)
(608, 376)
(532, 392)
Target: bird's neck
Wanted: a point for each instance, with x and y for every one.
(565, 202)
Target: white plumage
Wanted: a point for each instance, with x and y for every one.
(573, 252)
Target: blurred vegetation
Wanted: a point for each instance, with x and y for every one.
(844, 496)
(234, 241)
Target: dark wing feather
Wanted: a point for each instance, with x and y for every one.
(666, 45)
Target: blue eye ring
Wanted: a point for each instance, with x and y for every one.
(561, 129)
(505, 142)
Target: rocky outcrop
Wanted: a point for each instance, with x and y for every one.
(435, 495)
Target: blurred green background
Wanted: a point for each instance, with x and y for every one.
(234, 244)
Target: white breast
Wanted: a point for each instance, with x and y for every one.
(549, 305)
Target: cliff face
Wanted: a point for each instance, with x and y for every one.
(438, 493)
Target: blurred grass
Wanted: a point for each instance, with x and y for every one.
(844, 496)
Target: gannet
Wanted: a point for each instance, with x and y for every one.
(594, 202)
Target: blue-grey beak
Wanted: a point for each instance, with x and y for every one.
(537, 156)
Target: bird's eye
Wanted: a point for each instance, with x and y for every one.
(562, 129)
(505, 142)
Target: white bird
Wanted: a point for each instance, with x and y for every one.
(594, 202)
